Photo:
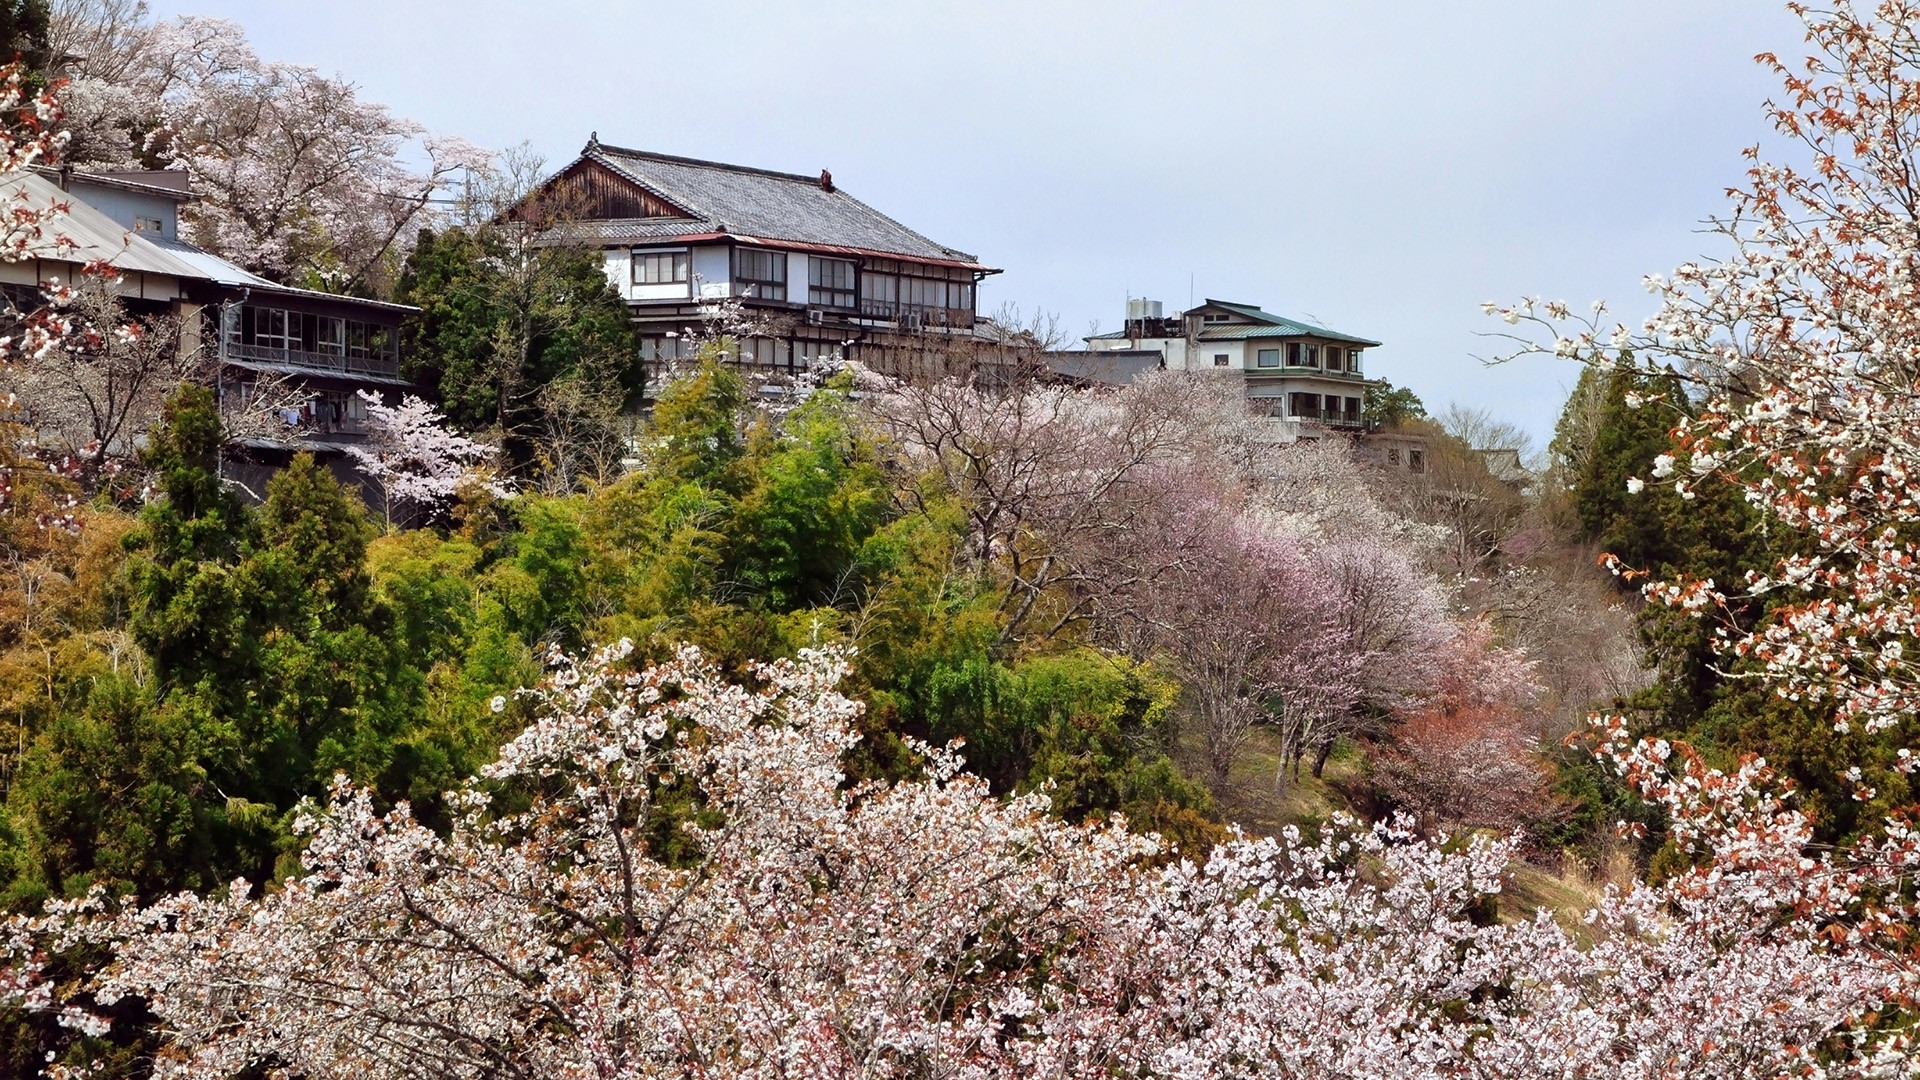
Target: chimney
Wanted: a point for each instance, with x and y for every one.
(826, 180)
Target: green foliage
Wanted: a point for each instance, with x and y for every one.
(23, 36)
(1711, 702)
(499, 320)
(223, 663)
(1389, 406)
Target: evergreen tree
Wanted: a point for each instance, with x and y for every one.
(1388, 406)
(24, 35)
(501, 319)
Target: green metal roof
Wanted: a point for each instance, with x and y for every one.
(1269, 325)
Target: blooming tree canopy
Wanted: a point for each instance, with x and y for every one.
(926, 928)
(300, 175)
(411, 453)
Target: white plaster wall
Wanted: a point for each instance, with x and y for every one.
(672, 291)
(796, 277)
(1205, 352)
(619, 267)
(713, 271)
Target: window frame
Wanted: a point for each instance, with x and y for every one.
(773, 286)
(678, 260)
(832, 294)
(334, 344)
(1261, 355)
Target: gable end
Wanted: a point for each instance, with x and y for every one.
(588, 190)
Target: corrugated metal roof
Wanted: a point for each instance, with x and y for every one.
(210, 267)
(1284, 330)
(89, 235)
(307, 371)
(773, 205)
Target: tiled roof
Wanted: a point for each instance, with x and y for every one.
(768, 205)
(637, 228)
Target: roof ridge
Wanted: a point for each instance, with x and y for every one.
(679, 160)
(595, 154)
(1252, 310)
(1256, 311)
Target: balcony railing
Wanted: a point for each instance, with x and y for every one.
(912, 315)
(316, 361)
(1334, 417)
(1257, 368)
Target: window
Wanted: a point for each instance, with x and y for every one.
(270, 328)
(660, 268)
(879, 293)
(1353, 361)
(1220, 359)
(809, 353)
(1219, 318)
(942, 295)
(659, 350)
(1353, 408)
(761, 274)
(1269, 358)
(829, 282)
(767, 352)
(1333, 358)
(1293, 354)
(331, 336)
(1417, 460)
(1311, 356)
(1393, 456)
(148, 224)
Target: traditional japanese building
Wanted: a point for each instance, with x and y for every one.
(321, 346)
(822, 272)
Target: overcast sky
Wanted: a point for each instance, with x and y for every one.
(1380, 168)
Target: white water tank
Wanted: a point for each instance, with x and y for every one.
(1142, 309)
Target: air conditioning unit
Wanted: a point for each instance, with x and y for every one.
(815, 316)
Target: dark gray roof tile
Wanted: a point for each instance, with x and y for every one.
(762, 204)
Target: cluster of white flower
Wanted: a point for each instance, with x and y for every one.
(927, 927)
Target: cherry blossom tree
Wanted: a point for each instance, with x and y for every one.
(1036, 468)
(413, 457)
(1468, 753)
(1800, 346)
(926, 928)
(300, 176)
(1238, 609)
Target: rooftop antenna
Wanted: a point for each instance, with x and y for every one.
(1189, 290)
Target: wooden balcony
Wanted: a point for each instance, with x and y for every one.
(317, 362)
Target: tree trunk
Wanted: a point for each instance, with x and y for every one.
(1320, 759)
